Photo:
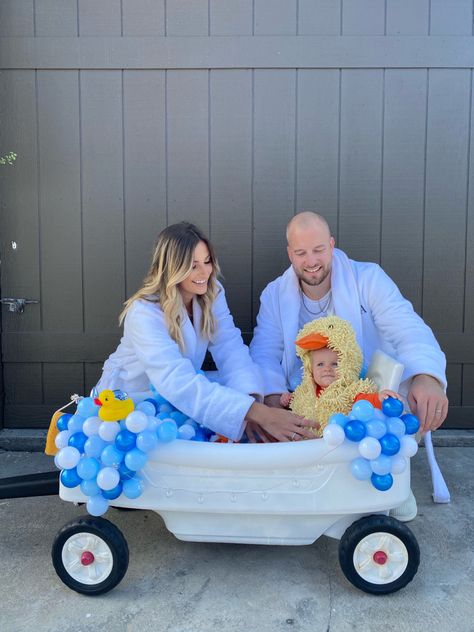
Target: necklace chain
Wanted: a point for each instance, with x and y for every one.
(322, 310)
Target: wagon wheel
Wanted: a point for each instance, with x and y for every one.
(379, 554)
(90, 555)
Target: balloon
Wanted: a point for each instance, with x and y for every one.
(108, 430)
(108, 478)
(63, 421)
(361, 469)
(186, 432)
(396, 426)
(97, 505)
(78, 440)
(68, 457)
(408, 446)
(392, 407)
(363, 410)
(136, 421)
(378, 414)
(75, 424)
(200, 434)
(88, 468)
(339, 419)
(178, 417)
(370, 448)
(375, 428)
(167, 431)
(333, 434)
(125, 440)
(166, 408)
(153, 424)
(94, 446)
(62, 439)
(154, 403)
(125, 472)
(112, 494)
(411, 422)
(87, 408)
(111, 456)
(355, 430)
(399, 464)
(91, 426)
(381, 465)
(132, 488)
(146, 440)
(90, 488)
(382, 482)
(390, 444)
(135, 459)
(70, 478)
(146, 407)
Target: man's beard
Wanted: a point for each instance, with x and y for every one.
(314, 281)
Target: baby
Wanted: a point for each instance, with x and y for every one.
(332, 361)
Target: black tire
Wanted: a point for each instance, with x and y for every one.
(398, 543)
(111, 550)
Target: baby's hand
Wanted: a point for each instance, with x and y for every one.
(387, 393)
(285, 399)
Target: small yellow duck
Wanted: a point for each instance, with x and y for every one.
(111, 408)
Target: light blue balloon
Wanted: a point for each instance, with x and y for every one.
(166, 408)
(378, 414)
(94, 446)
(376, 428)
(363, 410)
(97, 505)
(90, 488)
(147, 408)
(338, 418)
(167, 431)
(111, 456)
(381, 465)
(75, 424)
(361, 469)
(88, 468)
(147, 440)
(396, 426)
(178, 417)
(132, 488)
(87, 408)
(135, 459)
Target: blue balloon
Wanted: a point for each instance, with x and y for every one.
(147, 407)
(97, 505)
(94, 446)
(382, 482)
(363, 410)
(125, 472)
(178, 417)
(390, 444)
(375, 428)
(355, 430)
(411, 422)
(381, 465)
(70, 478)
(361, 469)
(75, 424)
(63, 422)
(392, 407)
(132, 488)
(200, 434)
(166, 408)
(112, 494)
(90, 488)
(167, 431)
(396, 426)
(146, 440)
(135, 459)
(125, 440)
(88, 468)
(87, 408)
(111, 456)
(155, 404)
(78, 441)
(338, 418)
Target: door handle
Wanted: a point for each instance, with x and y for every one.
(17, 305)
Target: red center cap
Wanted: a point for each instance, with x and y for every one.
(87, 558)
(380, 557)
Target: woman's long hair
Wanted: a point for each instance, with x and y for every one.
(172, 262)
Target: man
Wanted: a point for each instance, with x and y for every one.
(323, 281)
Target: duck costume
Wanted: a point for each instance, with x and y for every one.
(316, 403)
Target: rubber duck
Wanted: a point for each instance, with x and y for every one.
(111, 408)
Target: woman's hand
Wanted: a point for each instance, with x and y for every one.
(388, 393)
(279, 424)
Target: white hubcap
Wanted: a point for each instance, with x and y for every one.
(380, 558)
(91, 572)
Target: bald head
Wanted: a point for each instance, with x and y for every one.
(307, 220)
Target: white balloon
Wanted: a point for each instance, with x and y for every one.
(108, 478)
(408, 446)
(399, 464)
(91, 426)
(136, 421)
(370, 448)
(186, 432)
(108, 430)
(333, 434)
(68, 457)
(62, 438)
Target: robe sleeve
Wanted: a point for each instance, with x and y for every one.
(218, 407)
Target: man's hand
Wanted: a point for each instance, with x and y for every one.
(428, 402)
(273, 400)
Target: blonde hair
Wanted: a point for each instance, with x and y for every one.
(172, 262)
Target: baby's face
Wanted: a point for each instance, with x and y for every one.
(324, 366)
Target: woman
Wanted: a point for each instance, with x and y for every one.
(169, 324)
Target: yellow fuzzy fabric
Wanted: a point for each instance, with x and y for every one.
(339, 396)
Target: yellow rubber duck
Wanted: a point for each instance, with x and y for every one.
(111, 408)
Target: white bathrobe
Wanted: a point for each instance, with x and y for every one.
(147, 354)
(365, 296)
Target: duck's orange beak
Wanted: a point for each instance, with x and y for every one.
(97, 401)
(311, 342)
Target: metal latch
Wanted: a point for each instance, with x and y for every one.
(17, 305)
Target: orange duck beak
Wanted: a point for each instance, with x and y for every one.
(311, 342)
